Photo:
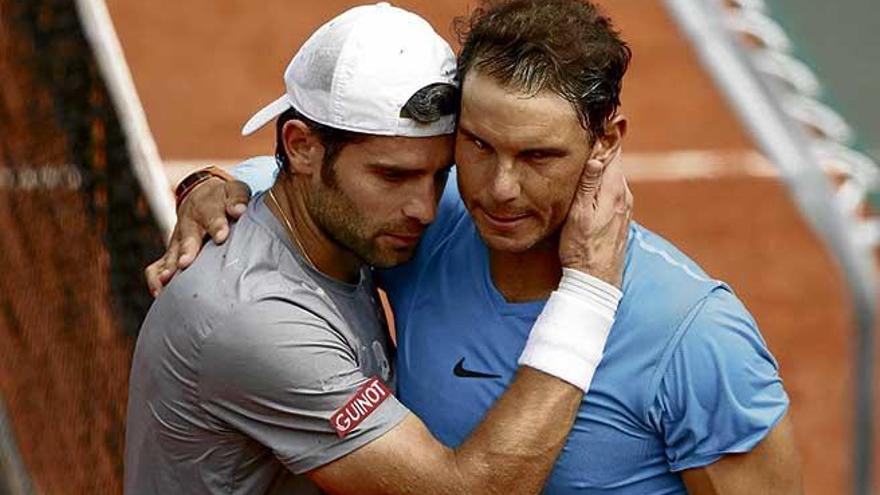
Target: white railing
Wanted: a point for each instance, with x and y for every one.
(776, 96)
(99, 31)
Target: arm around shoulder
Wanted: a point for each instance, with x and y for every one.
(279, 375)
(511, 452)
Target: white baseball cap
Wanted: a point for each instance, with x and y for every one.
(357, 71)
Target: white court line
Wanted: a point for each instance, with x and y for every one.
(696, 165)
(44, 177)
(640, 167)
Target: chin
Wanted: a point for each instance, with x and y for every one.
(516, 240)
(518, 244)
(388, 258)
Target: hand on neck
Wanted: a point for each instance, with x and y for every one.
(318, 249)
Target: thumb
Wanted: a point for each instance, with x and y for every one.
(588, 184)
(237, 196)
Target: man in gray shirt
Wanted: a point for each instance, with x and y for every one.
(265, 366)
(255, 340)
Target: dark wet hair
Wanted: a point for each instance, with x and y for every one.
(567, 47)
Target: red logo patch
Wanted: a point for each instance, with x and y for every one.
(362, 404)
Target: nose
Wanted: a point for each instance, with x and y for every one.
(505, 185)
(422, 205)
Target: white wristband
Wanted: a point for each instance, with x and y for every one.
(568, 338)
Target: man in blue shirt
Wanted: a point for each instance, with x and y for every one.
(688, 397)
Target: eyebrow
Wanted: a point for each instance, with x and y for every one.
(390, 166)
(398, 169)
(467, 132)
(547, 150)
(550, 151)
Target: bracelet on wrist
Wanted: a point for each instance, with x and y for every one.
(196, 178)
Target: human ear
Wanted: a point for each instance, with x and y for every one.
(305, 153)
(607, 146)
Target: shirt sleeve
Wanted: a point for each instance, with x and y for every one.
(258, 173)
(721, 392)
(278, 373)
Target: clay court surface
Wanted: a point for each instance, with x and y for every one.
(203, 66)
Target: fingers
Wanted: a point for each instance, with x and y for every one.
(210, 215)
(161, 271)
(151, 273)
(615, 197)
(190, 242)
(218, 229)
(208, 206)
(625, 196)
(588, 184)
(596, 177)
(611, 191)
(237, 196)
(620, 222)
(594, 236)
(203, 212)
(622, 215)
(169, 261)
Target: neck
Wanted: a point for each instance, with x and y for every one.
(316, 247)
(527, 276)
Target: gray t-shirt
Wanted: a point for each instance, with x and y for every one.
(241, 364)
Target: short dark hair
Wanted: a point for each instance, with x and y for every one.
(331, 138)
(427, 105)
(565, 46)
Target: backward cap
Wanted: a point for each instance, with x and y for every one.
(357, 71)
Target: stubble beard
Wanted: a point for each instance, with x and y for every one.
(339, 219)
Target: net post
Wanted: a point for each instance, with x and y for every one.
(101, 35)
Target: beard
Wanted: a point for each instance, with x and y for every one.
(346, 225)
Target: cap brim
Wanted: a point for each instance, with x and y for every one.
(265, 115)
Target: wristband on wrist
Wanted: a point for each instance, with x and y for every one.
(568, 338)
(583, 284)
(192, 180)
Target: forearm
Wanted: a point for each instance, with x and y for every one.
(511, 452)
(514, 448)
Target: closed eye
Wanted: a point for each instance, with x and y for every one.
(537, 155)
(393, 174)
(542, 154)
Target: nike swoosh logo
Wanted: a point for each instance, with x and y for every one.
(460, 371)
